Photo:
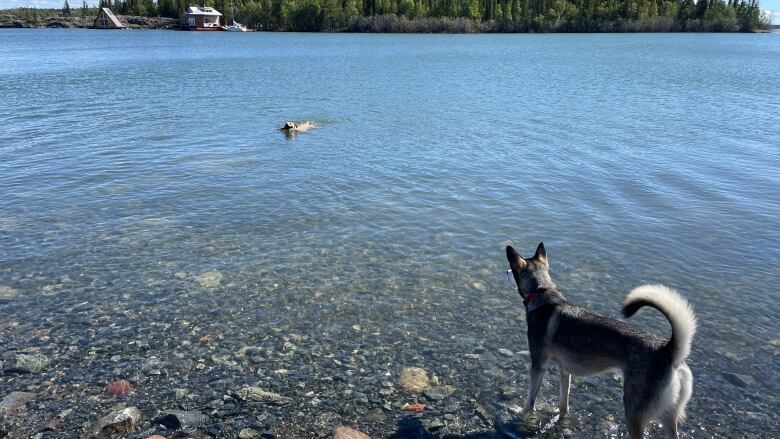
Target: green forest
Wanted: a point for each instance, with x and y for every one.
(473, 15)
(461, 16)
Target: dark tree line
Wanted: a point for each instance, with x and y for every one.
(469, 15)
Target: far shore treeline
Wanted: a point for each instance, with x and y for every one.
(460, 16)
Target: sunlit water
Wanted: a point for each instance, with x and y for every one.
(131, 163)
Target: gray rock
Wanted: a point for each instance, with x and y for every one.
(249, 433)
(506, 352)
(257, 394)
(439, 392)
(120, 421)
(15, 401)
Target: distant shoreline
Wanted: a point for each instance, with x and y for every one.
(390, 23)
(8, 21)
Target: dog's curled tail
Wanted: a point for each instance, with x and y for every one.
(674, 308)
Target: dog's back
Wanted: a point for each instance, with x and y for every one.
(587, 343)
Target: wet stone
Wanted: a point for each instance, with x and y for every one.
(181, 420)
(119, 388)
(342, 432)
(413, 379)
(257, 394)
(738, 379)
(7, 293)
(28, 363)
(120, 421)
(14, 402)
(249, 433)
(439, 392)
(209, 279)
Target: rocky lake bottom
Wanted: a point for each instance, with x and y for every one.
(218, 358)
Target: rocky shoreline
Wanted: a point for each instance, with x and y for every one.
(130, 21)
(114, 367)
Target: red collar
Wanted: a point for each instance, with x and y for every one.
(532, 295)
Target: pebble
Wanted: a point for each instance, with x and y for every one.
(257, 394)
(413, 379)
(506, 352)
(342, 432)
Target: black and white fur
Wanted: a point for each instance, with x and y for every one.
(657, 382)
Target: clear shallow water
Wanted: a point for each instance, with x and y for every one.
(133, 162)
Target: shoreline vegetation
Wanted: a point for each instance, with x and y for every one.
(424, 16)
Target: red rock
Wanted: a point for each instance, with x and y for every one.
(119, 388)
(415, 407)
(155, 436)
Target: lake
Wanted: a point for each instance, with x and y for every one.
(155, 225)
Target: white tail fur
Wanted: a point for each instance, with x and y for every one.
(674, 307)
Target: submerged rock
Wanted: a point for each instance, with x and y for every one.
(120, 421)
(257, 394)
(119, 388)
(15, 401)
(342, 432)
(181, 420)
(739, 379)
(7, 293)
(28, 363)
(249, 433)
(413, 379)
(439, 392)
(209, 279)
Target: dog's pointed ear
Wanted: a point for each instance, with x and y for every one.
(515, 260)
(541, 254)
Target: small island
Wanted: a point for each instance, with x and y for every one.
(422, 16)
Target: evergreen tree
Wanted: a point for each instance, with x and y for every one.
(66, 9)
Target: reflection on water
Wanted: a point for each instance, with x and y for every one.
(154, 224)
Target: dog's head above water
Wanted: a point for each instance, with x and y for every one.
(530, 274)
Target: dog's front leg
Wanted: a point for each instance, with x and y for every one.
(537, 373)
(565, 379)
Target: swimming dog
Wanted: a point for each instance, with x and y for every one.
(657, 382)
(291, 126)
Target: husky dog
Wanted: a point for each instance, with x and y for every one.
(657, 382)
